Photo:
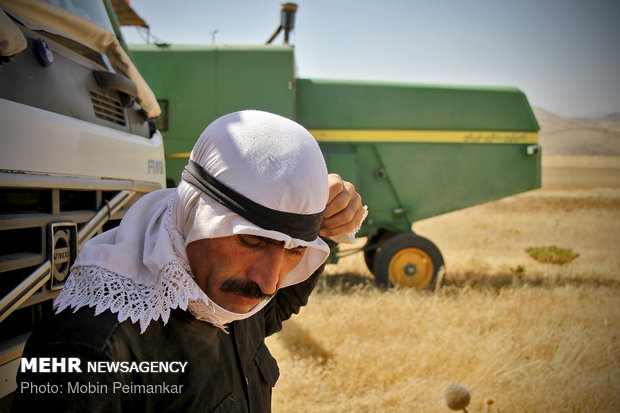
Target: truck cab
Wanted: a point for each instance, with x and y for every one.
(78, 145)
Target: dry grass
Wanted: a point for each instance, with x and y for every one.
(534, 337)
(529, 349)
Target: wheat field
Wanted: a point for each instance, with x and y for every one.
(521, 335)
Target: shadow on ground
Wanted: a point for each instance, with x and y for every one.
(498, 281)
(350, 282)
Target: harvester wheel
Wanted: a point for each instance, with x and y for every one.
(407, 260)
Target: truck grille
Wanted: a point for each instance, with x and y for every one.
(108, 108)
(26, 225)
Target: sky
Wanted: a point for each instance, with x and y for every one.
(563, 54)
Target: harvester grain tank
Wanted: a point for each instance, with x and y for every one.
(416, 151)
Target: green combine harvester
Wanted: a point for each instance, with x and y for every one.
(413, 151)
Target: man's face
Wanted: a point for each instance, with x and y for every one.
(239, 271)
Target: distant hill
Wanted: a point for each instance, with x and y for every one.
(612, 117)
(568, 136)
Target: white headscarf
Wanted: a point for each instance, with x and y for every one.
(140, 269)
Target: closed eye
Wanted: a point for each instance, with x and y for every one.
(255, 241)
(299, 251)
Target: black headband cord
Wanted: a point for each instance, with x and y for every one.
(301, 226)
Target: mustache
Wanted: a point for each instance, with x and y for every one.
(248, 289)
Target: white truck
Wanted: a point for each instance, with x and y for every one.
(78, 145)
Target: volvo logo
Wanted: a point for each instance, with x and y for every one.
(63, 249)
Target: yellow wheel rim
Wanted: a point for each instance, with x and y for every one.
(411, 267)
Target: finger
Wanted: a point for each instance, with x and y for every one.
(341, 200)
(336, 186)
(346, 228)
(344, 211)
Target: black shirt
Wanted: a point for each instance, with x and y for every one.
(229, 371)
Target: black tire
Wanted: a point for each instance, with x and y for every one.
(408, 260)
(379, 238)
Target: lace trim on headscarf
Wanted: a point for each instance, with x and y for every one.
(97, 287)
(94, 286)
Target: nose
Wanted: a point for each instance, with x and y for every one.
(266, 269)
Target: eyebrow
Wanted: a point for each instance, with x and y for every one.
(272, 241)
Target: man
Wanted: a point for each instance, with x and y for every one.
(185, 290)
